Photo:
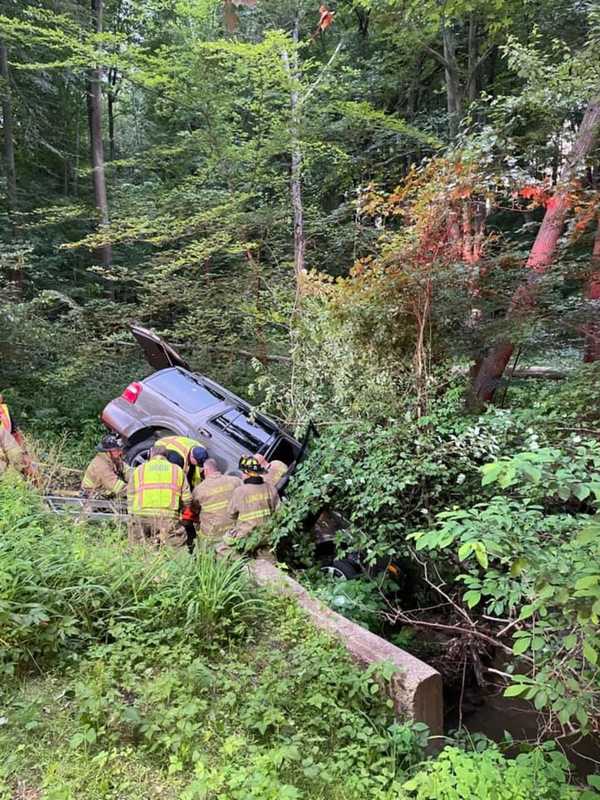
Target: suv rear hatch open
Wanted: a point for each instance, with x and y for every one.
(158, 353)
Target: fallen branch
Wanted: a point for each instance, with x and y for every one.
(400, 616)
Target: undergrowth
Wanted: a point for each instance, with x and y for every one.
(129, 675)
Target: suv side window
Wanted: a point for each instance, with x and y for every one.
(237, 424)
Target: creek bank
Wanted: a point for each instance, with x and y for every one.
(416, 689)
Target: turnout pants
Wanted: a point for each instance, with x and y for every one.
(156, 532)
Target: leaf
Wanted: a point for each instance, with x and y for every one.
(587, 581)
(465, 550)
(589, 533)
(581, 491)
(521, 645)
(590, 653)
(534, 473)
(491, 472)
(517, 567)
(481, 554)
(472, 597)
(527, 611)
(582, 717)
(515, 690)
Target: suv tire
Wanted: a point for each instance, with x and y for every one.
(342, 569)
(139, 452)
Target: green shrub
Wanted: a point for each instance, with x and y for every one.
(458, 775)
(530, 557)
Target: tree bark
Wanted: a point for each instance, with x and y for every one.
(473, 66)
(296, 163)
(94, 86)
(8, 130)
(488, 372)
(453, 87)
(591, 347)
(111, 97)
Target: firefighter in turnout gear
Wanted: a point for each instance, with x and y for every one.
(6, 421)
(254, 501)
(157, 495)
(211, 498)
(11, 452)
(274, 470)
(106, 474)
(192, 461)
(9, 425)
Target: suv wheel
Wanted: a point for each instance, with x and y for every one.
(139, 452)
(342, 570)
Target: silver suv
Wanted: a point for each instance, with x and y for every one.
(173, 400)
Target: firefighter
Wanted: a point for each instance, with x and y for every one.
(6, 421)
(211, 498)
(11, 452)
(157, 495)
(254, 501)
(274, 470)
(185, 447)
(106, 474)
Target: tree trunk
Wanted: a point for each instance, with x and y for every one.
(490, 369)
(111, 97)
(473, 57)
(94, 86)
(296, 165)
(7, 122)
(453, 87)
(591, 348)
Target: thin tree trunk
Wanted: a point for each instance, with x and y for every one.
(96, 145)
(111, 97)
(8, 130)
(591, 348)
(473, 70)
(453, 88)
(490, 369)
(296, 166)
(16, 273)
(77, 144)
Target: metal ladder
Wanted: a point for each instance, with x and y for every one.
(96, 510)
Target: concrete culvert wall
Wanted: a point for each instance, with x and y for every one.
(416, 689)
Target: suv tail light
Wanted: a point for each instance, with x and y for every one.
(132, 392)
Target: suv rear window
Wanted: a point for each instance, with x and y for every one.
(237, 424)
(183, 389)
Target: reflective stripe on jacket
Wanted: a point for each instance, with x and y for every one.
(183, 445)
(213, 496)
(5, 420)
(102, 476)
(252, 503)
(11, 454)
(157, 488)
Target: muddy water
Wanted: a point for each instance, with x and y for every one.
(493, 714)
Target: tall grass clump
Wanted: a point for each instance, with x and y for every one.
(65, 585)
